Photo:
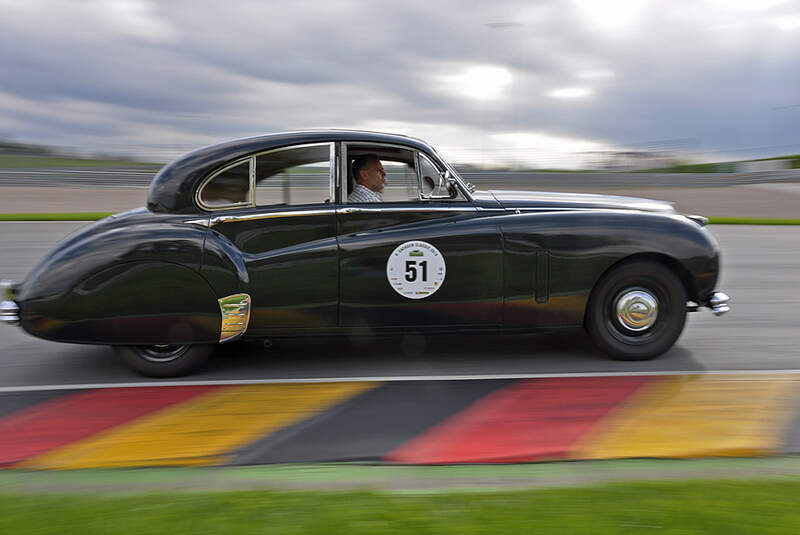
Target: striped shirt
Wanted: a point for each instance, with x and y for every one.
(364, 194)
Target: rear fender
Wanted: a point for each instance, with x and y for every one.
(224, 266)
(136, 303)
(126, 280)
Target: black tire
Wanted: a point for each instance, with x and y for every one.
(634, 333)
(165, 360)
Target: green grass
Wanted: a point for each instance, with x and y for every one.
(718, 167)
(795, 159)
(708, 507)
(752, 221)
(20, 161)
(726, 167)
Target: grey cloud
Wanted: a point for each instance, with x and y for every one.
(217, 70)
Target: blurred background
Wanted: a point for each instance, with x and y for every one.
(692, 102)
(515, 85)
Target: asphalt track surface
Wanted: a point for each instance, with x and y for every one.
(759, 271)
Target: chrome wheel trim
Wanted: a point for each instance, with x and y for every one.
(161, 353)
(636, 309)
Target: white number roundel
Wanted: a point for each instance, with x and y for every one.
(415, 269)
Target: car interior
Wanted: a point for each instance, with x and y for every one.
(301, 175)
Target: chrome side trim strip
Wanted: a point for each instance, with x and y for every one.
(363, 209)
(699, 219)
(235, 311)
(575, 209)
(270, 215)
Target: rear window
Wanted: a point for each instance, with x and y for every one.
(229, 187)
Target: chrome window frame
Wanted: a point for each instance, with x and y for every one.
(421, 155)
(343, 173)
(462, 184)
(252, 175)
(332, 173)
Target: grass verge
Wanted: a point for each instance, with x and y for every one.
(752, 221)
(25, 161)
(724, 507)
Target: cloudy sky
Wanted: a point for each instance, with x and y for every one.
(543, 82)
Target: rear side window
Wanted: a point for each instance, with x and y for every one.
(297, 175)
(228, 188)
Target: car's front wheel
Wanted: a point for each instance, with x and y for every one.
(165, 360)
(637, 311)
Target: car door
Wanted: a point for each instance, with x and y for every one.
(287, 240)
(416, 262)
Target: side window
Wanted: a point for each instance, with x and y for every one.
(228, 188)
(401, 182)
(429, 176)
(433, 184)
(298, 175)
(399, 165)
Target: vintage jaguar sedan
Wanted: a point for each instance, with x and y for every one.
(256, 238)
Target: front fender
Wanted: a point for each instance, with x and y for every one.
(554, 259)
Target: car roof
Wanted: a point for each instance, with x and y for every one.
(172, 188)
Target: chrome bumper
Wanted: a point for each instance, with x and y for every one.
(718, 303)
(9, 311)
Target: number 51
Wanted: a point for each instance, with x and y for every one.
(412, 272)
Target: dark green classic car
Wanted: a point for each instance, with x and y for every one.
(255, 238)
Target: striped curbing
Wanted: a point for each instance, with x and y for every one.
(62, 421)
(531, 420)
(368, 427)
(202, 431)
(696, 416)
(403, 422)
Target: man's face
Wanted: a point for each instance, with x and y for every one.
(373, 176)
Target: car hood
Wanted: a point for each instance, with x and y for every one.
(546, 200)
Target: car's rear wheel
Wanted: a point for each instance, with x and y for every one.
(165, 360)
(637, 311)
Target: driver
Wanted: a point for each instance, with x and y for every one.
(370, 179)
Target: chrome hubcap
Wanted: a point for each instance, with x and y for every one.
(637, 310)
(162, 352)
